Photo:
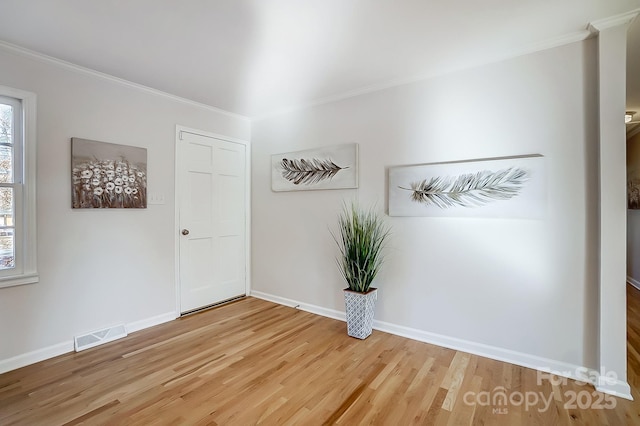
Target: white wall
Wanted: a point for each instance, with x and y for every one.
(528, 286)
(97, 267)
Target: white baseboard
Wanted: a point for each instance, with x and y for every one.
(633, 282)
(615, 388)
(330, 313)
(32, 357)
(545, 366)
(132, 327)
(43, 354)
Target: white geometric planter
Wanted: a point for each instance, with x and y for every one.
(359, 309)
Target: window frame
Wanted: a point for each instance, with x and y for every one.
(25, 270)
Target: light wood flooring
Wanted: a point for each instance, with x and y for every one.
(254, 362)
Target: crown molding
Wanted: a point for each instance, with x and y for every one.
(592, 30)
(41, 57)
(613, 21)
(524, 50)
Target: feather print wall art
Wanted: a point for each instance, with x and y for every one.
(469, 189)
(309, 171)
(332, 167)
(508, 187)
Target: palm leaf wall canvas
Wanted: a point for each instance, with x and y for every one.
(331, 167)
(513, 187)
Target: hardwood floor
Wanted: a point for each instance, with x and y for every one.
(254, 362)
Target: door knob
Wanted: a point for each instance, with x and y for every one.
(185, 232)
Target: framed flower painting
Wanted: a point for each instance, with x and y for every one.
(106, 175)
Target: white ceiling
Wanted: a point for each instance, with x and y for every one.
(252, 57)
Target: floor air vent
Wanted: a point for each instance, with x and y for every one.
(99, 337)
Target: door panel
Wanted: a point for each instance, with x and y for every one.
(212, 194)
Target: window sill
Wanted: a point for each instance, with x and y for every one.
(15, 280)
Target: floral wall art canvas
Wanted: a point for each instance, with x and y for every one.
(106, 175)
(332, 167)
(507, 187)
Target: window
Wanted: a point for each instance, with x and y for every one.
(17, 188)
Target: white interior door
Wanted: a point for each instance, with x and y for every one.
(211, 185)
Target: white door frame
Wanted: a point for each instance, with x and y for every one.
(247, 216)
